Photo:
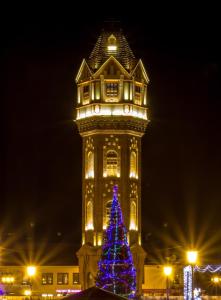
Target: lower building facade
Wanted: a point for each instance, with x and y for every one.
(52, 282)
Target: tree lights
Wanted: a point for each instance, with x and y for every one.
(116, 271)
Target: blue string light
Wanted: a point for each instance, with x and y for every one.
(116, 271)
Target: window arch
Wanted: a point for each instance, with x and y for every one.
(89, 165)
(111, 165)
(133, 215)
(89, 216)
(133, 164)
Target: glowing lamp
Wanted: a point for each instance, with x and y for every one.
(31, 271)
(167, 270)
(215, 279)
(192, 256)
(27, 292)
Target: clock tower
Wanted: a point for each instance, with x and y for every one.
(112, 116)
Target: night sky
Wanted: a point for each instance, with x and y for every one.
(41, 154)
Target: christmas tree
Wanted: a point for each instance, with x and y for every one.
(116, 272)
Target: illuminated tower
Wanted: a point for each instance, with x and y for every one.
(111, 116)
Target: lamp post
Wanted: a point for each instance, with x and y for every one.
(167, 272)
(31, 271)
(216, 281)
(192, 259)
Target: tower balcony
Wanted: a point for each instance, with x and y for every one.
(111, 116)
(112, 110)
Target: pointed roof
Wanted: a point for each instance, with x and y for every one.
(111, 58)
(112, 43)
(83, 66)
(141, 66)
(94, 293)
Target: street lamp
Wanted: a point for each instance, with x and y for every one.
(167, 272)
(216, 281)
(31, 271)
(192, 259)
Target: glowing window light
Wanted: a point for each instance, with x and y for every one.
(133, 216)
(133, 164)
(145, 96)
(96, 109)
(126, 109)
(111, 47)
(89, 165)
(139, 239)
(126, 90)
(89, 216)
(79, 95)
(99, 239)
(132, 225)
(131, 91)
(107, 213)
(97, 91)
(92, 91)
(95, 240)
(111, 164)
(8, 279)
(67, 291)
(89, 226)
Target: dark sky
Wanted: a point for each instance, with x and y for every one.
(41, 154)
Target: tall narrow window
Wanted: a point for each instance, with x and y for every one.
(89, 165)
(133, 164)
(62, 278)
(47, 278)
(133, 215)
(126, 90)
(107, 213)
(137, 95)
(97, 91)
(76, 279)
(89, 216)
(85, 92)
(112, 164)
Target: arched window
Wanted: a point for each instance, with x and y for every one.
(89, 216)
(112, 164)
(133, 164)
(89, 165)
(133, 215)
(107, 213)
(90, 280)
